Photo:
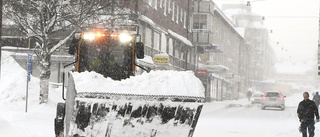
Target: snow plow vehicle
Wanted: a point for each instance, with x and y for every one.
(105, 99)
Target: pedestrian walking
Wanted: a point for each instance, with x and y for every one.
(316, 99)
(249, 94)
(307, 110)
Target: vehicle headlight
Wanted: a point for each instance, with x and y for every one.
(89, 36)
(125, 37)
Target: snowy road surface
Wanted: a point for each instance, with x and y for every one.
(235, 118)
(241, 119)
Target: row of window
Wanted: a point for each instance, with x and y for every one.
(161, 42)
(170, 7)
(200, 21)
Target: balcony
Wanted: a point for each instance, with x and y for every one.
(209, 48)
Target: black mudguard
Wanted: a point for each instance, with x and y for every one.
(59, 120)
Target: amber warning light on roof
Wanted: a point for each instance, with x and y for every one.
(123, 37)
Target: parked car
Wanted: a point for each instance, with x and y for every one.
(256, 98)
(273, 99)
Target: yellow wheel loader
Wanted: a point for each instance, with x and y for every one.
(113, 54)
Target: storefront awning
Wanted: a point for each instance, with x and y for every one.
(181, 38)
(214, 68)
(146, 61)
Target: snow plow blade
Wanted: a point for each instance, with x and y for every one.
(129, 115)
(100, 107)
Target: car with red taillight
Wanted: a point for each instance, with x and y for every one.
(256, 98)
(274, 99)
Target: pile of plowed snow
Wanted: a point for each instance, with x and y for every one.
(181, 83)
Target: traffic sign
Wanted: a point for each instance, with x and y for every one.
(29, 64)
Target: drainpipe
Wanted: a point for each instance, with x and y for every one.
(187, 51)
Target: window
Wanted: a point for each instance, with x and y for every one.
(161, 2)
(185, 20)
(148, 37)
(182, 52)
(272, 94)
(163, 42)
(150, 2)
(156, 41)
(177, 49)
(172, 11)
(153, 3)
(170, 47)
(189, 57)
(169, 6)
(177, 20)
(200, 21)
(165, 7)
(181, 14)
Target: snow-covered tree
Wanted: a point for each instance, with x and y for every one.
(41, 19)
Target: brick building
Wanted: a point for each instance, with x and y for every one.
(164, 26)
(222, 52)
(262, 56)
(193, 35)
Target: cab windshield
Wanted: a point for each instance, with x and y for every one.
(109, 58)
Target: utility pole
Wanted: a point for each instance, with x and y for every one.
(1, 2)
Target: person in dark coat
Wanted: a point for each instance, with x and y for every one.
(316, 99)
(307, 110)
(249, 94)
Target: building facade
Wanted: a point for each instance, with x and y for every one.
(163, 25)
(165, 29)
(262, 59)
(192, 35)
(223, 58)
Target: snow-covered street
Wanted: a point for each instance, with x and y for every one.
(235, 118)
(159, 68)
(241, 119)
(229, 118)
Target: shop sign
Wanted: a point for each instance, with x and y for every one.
(160, 59)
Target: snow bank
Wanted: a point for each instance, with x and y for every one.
(13, 79)
(38, 121)
(4, 123)
(182, 83)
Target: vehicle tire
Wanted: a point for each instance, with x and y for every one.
(58, 128)
(263, 107)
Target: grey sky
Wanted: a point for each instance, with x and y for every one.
(294, 25)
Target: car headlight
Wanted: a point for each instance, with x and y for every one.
(125, 37)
